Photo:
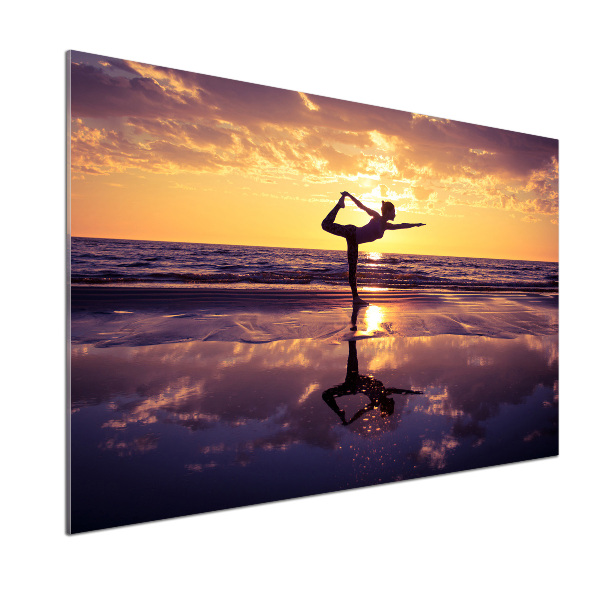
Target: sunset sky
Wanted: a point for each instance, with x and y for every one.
(162, 154)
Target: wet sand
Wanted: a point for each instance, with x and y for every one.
(143, 316)
(199, 400)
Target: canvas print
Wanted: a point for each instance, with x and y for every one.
(275, 294)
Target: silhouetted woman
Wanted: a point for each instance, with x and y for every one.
(370, 232)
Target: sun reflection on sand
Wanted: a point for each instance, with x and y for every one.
(373, 318)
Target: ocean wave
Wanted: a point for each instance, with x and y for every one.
(397, 281)
(114, 262)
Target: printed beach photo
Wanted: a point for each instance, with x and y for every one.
(275, 294)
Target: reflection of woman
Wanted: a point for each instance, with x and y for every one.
(355, 383)
(370, 232)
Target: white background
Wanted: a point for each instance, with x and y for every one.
(519, 531)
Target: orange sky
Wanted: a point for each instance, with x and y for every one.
(161, 154)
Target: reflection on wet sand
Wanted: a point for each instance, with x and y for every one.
(380, 396)
(170, 429)
(263, 319)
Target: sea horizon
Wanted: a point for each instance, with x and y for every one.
(115, 261)
(87, 237)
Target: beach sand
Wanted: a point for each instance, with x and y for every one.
(143, 316)
(193, 400)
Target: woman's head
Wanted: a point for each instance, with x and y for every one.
(388, 212)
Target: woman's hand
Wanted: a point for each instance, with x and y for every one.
(369, 211)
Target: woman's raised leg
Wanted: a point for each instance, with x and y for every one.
(328, 223)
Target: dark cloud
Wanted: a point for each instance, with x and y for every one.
(94, 93)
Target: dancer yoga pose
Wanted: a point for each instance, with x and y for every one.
(370, 232)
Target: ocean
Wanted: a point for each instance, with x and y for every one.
(112, 262)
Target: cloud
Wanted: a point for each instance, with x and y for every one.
(164, 120)
(422, 193)
(338, 161)
(198, 134)
(94, 93)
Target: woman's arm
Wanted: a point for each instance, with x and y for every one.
(358, 203)
(403, 225)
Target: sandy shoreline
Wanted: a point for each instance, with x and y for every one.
(146, 316)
